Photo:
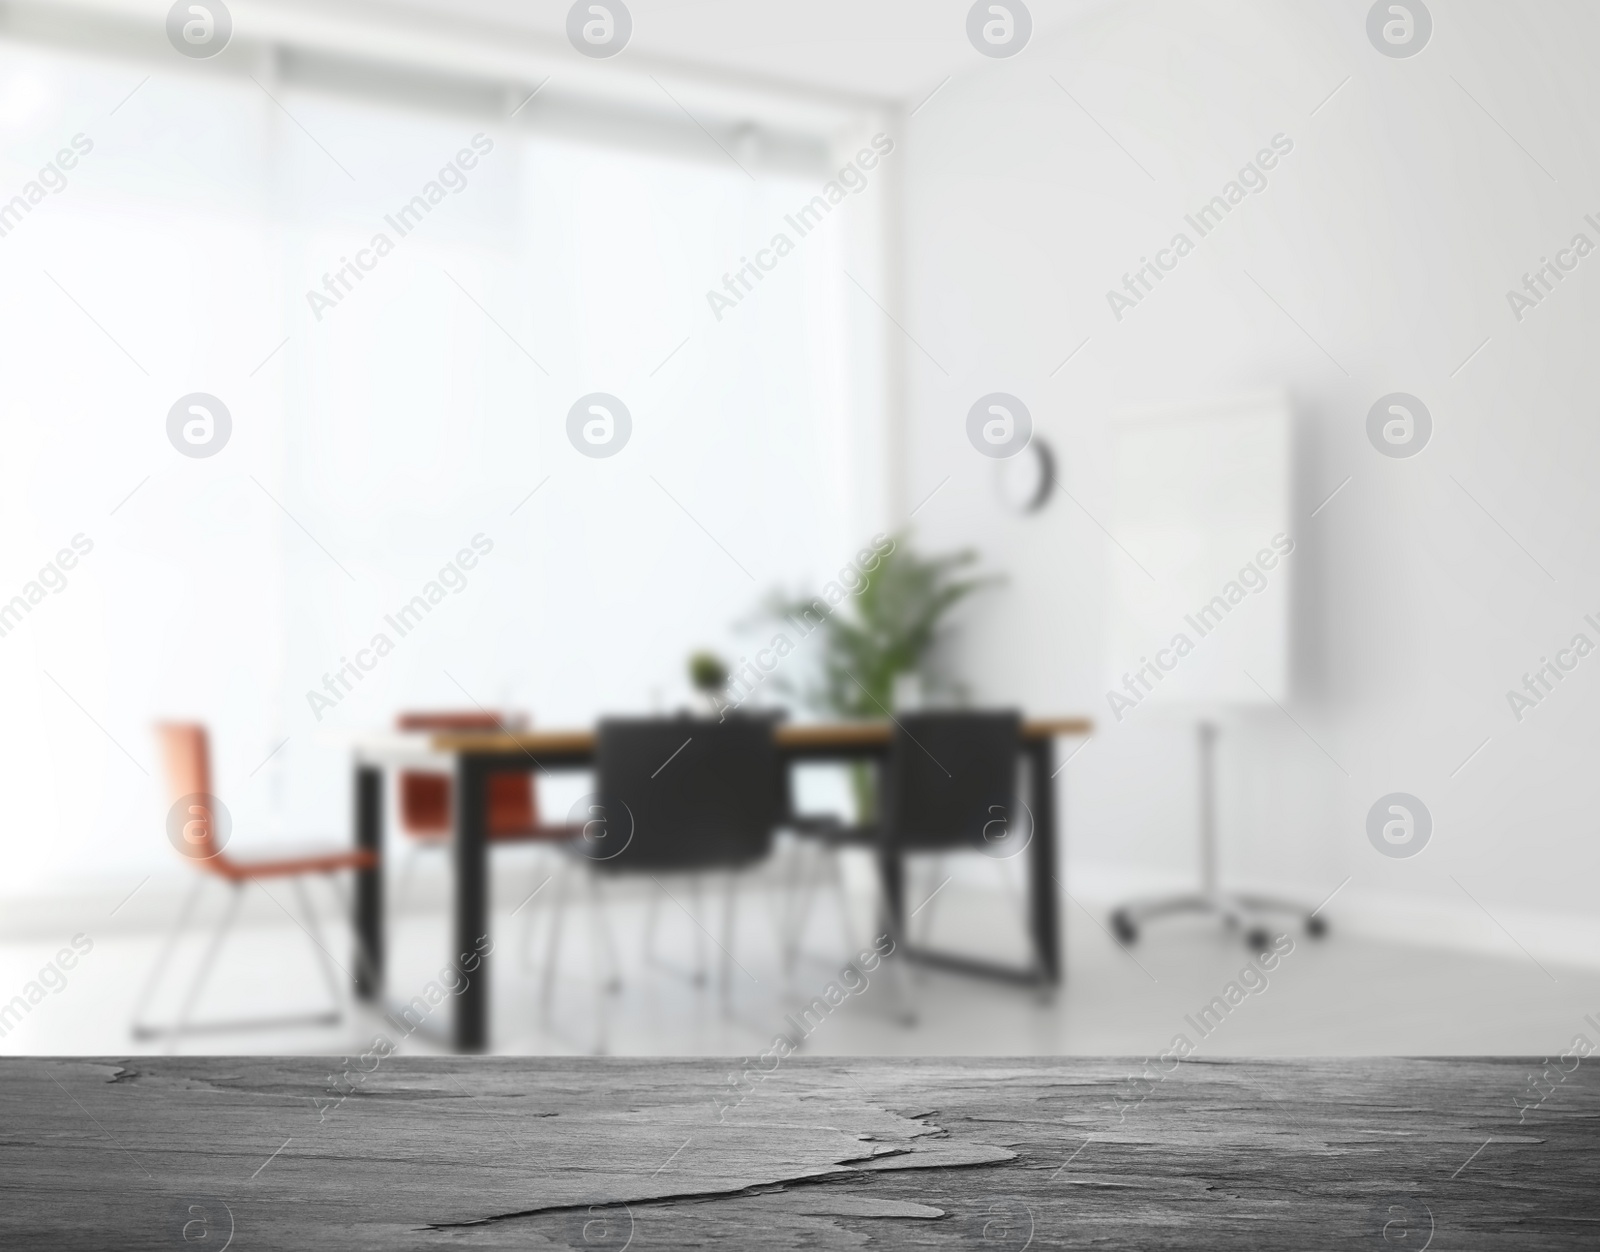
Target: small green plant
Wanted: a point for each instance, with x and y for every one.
(708, 673)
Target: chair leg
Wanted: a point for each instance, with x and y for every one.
(730, 900)
(791, 877)
(930, 895)
(347, 910)
(597, 943)
(782, 863)
(1012, 887)
(406, 867)
(899, 989)
(204, 972)
(137, 1024)
(650, 927)
(613, 963)
(808, 869)
(842, 899)
(699, 932)
(530, 921)
(1013, 890)
(894, 970)
(789, 870)
(314, 929)
(552, 948)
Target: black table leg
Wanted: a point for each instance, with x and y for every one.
(471, 1029)
(1044, 924)
(892, 878)
(369, 883)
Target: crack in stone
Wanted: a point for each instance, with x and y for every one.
(754, 1189)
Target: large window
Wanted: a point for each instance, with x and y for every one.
(397, 307)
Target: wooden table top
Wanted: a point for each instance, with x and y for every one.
(993, 1154)
(816, 735)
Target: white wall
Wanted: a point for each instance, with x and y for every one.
(1390, 234)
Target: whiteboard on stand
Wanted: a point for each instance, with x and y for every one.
(1200, 601)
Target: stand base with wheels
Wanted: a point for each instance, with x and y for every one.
(1235, 909)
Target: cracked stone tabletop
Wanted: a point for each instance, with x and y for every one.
(310, 1152)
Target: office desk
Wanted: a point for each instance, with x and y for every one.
(477, 754)
(994, 1154)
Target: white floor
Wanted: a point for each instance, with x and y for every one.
(1344, 994)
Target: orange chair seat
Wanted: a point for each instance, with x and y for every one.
(237, 869)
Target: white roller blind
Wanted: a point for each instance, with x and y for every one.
(372, 444)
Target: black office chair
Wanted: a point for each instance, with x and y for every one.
(678, 796)
(949, 784)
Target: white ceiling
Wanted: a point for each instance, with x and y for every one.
(805, 67)
(893, 50)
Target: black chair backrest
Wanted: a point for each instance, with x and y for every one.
(685, 794)
(951, 780)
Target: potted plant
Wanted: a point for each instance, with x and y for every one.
(708, 674)
(887, 631)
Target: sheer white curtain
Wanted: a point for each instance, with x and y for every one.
(378, 430)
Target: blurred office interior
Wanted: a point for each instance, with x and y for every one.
(401, 362)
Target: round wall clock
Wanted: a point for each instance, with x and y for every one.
(1024, 480)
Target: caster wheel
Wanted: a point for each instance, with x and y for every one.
(1258, 939)
(1123, 928)
(1316, 927)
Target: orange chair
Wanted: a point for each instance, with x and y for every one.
(427, 810)
(186, 755)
